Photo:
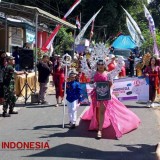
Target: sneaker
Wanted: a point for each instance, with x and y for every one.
(73, 126)
(5, 115)
(39, 101)
(70, 124)
(152, 105)
(57, 105)
(13, 112)
(45, 102)
(148, 104)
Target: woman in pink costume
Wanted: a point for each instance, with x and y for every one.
(104, 113)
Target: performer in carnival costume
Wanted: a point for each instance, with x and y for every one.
(74, 96)
(106, 112)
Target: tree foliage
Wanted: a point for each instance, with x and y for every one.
(110, 21)
(64, 41)
(155, 9)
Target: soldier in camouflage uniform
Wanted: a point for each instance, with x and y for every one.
(9, 90)
(2, 67)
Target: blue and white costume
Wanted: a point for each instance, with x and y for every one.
(73, 91)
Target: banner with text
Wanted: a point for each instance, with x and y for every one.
(127, 89)
(131, 89)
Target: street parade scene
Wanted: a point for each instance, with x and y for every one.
(80, 79)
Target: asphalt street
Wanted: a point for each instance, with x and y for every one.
(37, 123)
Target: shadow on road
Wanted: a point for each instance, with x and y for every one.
(40, 106)
(138, 107)
(80, 152)
(140, 148)
(79, 131)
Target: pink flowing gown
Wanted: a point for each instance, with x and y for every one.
(117, 114)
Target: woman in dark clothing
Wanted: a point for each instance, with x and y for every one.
(153, 72)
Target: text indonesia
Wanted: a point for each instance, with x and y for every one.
(25, 145)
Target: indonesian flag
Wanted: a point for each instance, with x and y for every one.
(92, 28)
(49, 41)
(78, 23)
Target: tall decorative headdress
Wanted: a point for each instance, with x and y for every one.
(100, 53)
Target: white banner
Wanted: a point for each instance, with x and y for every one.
(133, 33)
(80, 35)
(128, 89)
(134, 24)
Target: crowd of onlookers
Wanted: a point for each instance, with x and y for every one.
(147, 66)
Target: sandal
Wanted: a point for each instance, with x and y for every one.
(99, 134)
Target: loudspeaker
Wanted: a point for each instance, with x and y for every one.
(26, 59)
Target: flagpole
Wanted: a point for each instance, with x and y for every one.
(91, 33)
(64, 105)
(66, 59)
(80, 20)
(74, 42)
(104, 36)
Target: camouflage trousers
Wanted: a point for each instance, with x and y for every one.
(9, 99)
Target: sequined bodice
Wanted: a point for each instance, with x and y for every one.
(99, 77)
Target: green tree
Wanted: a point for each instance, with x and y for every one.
(64, 41)
(149, 43)
(155, 10)
(110, 21)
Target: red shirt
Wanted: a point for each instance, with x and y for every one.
(111, 66)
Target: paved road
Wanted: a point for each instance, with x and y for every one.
(44, 123)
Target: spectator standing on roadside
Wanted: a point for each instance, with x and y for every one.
(58, 77)
(131, 64)
(44, 70)
(153, 73)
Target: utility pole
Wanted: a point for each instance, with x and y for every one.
(104, 35)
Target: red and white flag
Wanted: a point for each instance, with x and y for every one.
(92, 28)
(49, 41)
(78, 23)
